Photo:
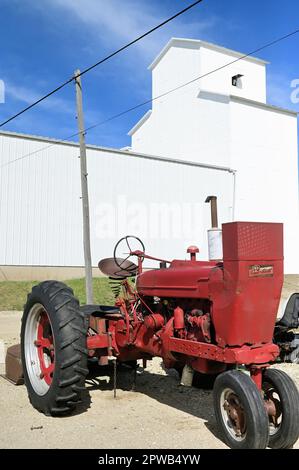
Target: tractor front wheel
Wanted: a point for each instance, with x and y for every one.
(53, 348)
(240, 411)
(282, 403)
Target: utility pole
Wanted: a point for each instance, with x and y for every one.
(84, 189)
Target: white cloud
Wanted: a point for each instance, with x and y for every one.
(120, 19)
(103, 26)
(28, 96)
(116, 22)
(55, 104)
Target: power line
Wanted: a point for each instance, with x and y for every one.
(99, 63)
(151, 100)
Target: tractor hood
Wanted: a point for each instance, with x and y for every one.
(181, 279)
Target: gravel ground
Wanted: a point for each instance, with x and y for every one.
(159, 414)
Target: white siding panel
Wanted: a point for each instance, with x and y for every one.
(138, 188)
(40, 195)
(41, 213)
(265, 154)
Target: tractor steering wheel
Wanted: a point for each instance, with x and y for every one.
(127, 242)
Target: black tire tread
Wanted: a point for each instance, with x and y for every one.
(71, 335)
(258, 435)
(289, 433)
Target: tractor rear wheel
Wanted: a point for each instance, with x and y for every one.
(240, 411)
(53, 348)
(282, 401)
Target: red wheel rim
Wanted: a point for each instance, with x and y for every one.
(46, 350)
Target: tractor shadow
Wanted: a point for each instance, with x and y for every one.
(166, 389)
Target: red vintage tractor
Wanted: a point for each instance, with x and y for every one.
(216, 318)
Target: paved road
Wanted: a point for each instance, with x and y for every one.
(158, 415)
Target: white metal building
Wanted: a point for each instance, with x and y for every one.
(209, 138)
(160, 200)
(214, 121)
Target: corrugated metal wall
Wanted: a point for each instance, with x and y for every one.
(160, 201)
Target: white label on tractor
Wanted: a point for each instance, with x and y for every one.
(2, 352)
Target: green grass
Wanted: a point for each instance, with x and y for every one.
(13, 294)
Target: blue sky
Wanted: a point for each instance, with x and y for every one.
(43, 42)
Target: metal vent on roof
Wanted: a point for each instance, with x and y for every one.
(236, 80)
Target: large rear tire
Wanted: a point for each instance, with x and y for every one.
(240, 411)
(53, 348)
(282, 392)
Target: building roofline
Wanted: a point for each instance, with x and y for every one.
(140, 122)
(196, 44)
(206, 94)
(258, 104)
(146, 156)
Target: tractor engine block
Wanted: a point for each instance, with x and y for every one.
(192, 318)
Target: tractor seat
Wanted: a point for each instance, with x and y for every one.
(290, 317)
(101, 311)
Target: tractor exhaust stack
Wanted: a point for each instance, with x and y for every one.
(215, 233)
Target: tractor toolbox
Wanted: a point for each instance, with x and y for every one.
(13, 365)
